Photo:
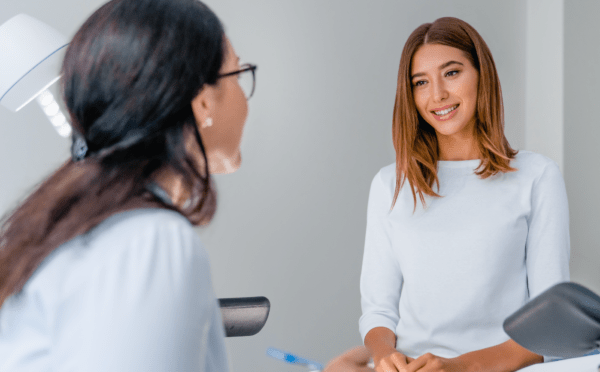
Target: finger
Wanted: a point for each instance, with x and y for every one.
(399, 361)
(386, 365)
(417, 364)
(409, 359)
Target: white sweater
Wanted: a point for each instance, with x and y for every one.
(133, 294)
(445, 278)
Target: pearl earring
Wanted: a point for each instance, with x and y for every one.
(207, 123)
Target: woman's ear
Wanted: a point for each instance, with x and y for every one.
(203, 106)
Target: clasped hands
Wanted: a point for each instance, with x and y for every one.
(356, 360)
(398, 362)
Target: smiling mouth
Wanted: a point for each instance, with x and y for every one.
(446, 111)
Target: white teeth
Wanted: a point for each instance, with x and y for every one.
(445, 112)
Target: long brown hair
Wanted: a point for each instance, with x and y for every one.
(129, 77)
(415, 141)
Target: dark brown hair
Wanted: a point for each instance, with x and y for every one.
(129, 77)
(415, 141)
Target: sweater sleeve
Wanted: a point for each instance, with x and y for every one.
(548, 245)
(148, 307)
(381, 278)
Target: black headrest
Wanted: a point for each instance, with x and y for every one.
(563, 321)
(244, 316)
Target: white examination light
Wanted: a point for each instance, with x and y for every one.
(29, 65)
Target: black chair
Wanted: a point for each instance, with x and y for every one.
(244, 316)
(563, 321)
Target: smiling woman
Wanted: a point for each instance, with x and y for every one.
(434, 62)
(446, 77)
(439, 278)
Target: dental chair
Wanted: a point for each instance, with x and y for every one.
(563, 321)
(244, 316)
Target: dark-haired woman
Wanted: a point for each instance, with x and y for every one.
(100, 267)
(439, 277)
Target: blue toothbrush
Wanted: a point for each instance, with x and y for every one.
(293, 359)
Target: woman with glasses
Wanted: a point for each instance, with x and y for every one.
(100, 268)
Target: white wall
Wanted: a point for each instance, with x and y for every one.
(581, 136)
(562, 99)
(544, 116)
(290, 223)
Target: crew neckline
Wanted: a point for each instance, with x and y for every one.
(471, 164)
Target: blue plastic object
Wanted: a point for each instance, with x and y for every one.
(293, 359)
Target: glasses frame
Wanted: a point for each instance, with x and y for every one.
(245, 67)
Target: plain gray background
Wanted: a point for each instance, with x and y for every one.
(290, 223)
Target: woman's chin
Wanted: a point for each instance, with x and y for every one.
(226, 165)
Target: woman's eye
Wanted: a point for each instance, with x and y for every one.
(452, 73)
(419, 83)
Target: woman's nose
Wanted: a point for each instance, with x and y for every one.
(439, 92)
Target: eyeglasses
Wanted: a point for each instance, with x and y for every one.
(246, 78)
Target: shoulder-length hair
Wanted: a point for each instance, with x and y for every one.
(129, 77)
(415, 141)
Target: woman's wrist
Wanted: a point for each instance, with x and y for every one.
(469, 364)
(381, 342)
(505, 357)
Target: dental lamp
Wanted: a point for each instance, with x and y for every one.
(29, 65)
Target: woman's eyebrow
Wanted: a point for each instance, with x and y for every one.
(440, 68)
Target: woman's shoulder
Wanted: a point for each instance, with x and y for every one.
(136, 223)
(129, 242)
(384, 179)
(533, 164)
(387, 174)
(144, 218)
(137, 274)
(526, 157)
(134, 232)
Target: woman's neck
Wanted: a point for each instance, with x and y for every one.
(459, 154)
(173, 185)
(457, 149)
